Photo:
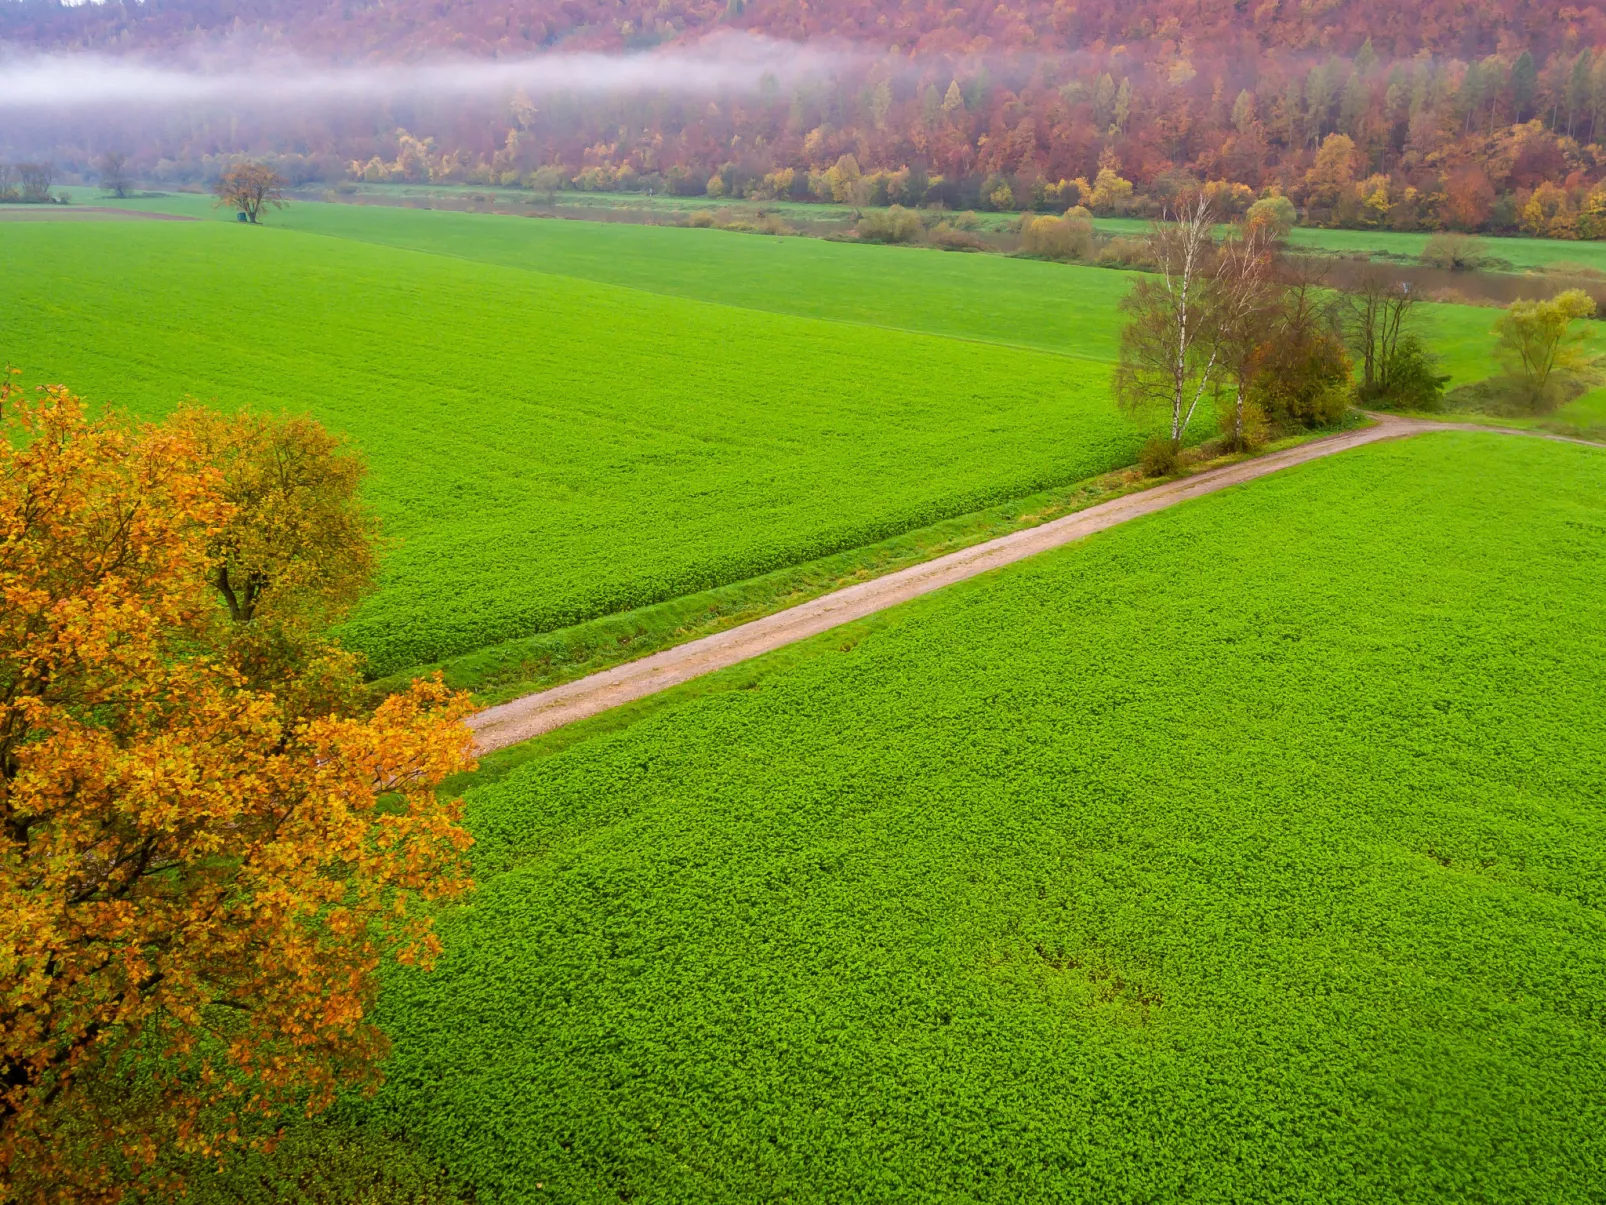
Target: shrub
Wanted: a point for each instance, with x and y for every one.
(1240, 432)
(1454, 252)
(1160, 457)
(1304, 378)
(1065, 238)
(947, 238)
(1414, 382)
(1123, 252)
(895, 225)
(703, 219)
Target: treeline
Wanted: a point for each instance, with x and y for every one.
(1487, 116)
(1501, 144)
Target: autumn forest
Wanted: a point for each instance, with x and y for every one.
(1482, 117)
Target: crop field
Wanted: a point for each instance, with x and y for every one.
(1026, 303)
(539, 468)
(1252, 851)
(546, 449)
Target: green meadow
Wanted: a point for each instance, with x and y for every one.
(1254, 850)
(1066, 308)
(546, 449)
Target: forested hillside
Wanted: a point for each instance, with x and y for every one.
(1472, 114)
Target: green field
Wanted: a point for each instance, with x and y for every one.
(1255, 850)
(1025, 303)
(572, 419)
(547, 449)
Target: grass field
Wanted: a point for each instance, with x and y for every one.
(1024, 303)
(540, 468)
(547, 449)
(1255, 850)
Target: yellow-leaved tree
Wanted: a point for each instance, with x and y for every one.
(1539, 343)
(200, 871)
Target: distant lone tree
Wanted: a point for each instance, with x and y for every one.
(36, 178)
(250, 186)
(114, 174)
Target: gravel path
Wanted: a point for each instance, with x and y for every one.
(531, 715)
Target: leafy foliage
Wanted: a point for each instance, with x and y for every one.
(195, 887)
(1250, 851)
(250, 188)
(1539, 343)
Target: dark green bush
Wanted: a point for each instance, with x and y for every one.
(1410, 380)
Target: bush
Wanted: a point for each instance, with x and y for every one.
(1414, 382)
(1160, 457)
(1065, 238)
(1454, 252)
(1123, 252)
(895, 225)
(703, 219)
(1244, 436)
(1304, 379)
(947, 238)
(1510, 395)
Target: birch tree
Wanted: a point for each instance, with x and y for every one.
(1170, 350)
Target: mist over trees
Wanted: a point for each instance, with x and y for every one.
(1485, 116)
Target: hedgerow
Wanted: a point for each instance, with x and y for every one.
(1255, 850)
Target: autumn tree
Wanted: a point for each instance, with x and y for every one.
(1169, 352)
(1245, 301)
(1468, 197)
(1538, 344)
(114, 173)
(1276, 215)
(1303, 373)
(248, 187)
(196, 888)
(1064, 238)
(297, 553)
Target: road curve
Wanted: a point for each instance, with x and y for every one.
(531, 715)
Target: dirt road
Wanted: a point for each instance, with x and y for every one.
(522, 718)
(84, 213)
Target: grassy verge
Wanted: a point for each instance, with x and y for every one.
(1582, 418)
(536, 663)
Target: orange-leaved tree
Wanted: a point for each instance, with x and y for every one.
(296, 552)
(249, 187)
(197, 882)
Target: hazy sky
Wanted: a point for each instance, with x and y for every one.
(727, 62)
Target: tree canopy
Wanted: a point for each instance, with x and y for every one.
(198, 882)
